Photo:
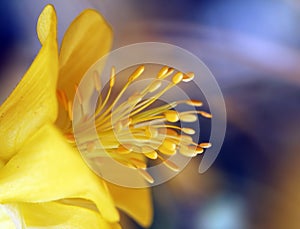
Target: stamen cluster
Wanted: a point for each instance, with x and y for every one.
(133, 133)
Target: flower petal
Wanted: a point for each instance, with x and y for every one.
(47, 169)
(56, 215)
(87, 39)
(10, 217)
(33, 102)
(46, 20)
(1, 163)
(135, 202)
(5, 220)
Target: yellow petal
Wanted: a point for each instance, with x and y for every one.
(46, 20)
(5, 220)
(87, 39)
(56, 216)
(1, 163)
(47, 169)
(135, 202)
(10, 217)
(33, 102)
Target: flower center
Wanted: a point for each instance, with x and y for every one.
(133, 131)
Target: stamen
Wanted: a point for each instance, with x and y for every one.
(187, 139)
(168, 144)
(152, 155)
(171, 116)
(188, 131)
(205, 114)
(62, 98)
(205, 145)
(171, 165)
(138, 163)
(155, 111)
(111, 84)
(151, 132)
(177, 78)
(135, 98)
(120, 94)
(146, 175)
(188, 77)
(194, 103)
(70, 110)
(169, 132)
(137, 73)
(166, 151)
(112, 77)
(123, 150)
(148, 102)
(199, 150)
(70, 137)
(168, 73)
(133, 133)
(188, 151)
(154, 86)
(188, 117)
(163, 71)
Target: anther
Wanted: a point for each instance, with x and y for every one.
(138, 163)
(169, 72)
(205, 114)
(177, 78)
(123, 150)
(172, 132)
(63, 98)
(194, 103)
(171, 165)
(188, 77)
(171, 116)
(166, 151)
(97, 81)
(188, 151)
(205, 145)
(168, 144)
(186, 139)
(59, 96)
(134, 99)
(188, 118)
(146, 175)
(70, 110)
(163, 71)
(112, 77)
(199, 150)
(154, 86)
(151, 155)
(137, 73)
(151, 132)
(70, 137)
(188, 130)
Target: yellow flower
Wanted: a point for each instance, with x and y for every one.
(43, 180)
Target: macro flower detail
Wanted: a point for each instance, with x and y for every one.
(131, 131)
(44, 182)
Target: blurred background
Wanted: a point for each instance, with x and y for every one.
(253, 50)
